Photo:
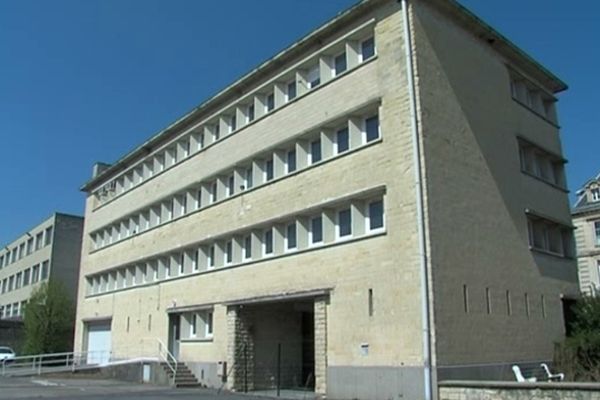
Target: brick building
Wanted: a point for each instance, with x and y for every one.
(384, 201)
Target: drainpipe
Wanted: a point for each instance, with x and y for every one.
(425, 306)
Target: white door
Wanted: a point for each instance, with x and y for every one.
(99, 343)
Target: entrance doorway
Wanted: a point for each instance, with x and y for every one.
(174, 334)
(276, 347)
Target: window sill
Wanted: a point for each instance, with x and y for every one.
(550, 253)
(519, 102)
(537, 178)
(197, 340)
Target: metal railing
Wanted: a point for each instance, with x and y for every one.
(168, 358)
(54, 362)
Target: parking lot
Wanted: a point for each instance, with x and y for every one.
(48, 388)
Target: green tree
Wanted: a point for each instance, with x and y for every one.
(49, 320)
(579, 354)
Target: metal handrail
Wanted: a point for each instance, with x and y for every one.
(37, 363)
(168, 358)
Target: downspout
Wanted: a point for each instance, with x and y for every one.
(425, 306)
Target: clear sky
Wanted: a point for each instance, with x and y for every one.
(87, 81)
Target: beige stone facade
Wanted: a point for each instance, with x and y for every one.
(278, 224)
(586, 218)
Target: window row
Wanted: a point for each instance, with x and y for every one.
(336, 223)
(531, 96)
(503, 302)
(286, 159)
(542, 164)
(550, 236)
(27, 277)
(196, 325)
(14, 310)
(323, 67)
(33, 243)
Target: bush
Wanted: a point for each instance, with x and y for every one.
(579, 355)
(49, 320)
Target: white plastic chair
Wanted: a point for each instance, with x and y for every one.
(519, 376)
(550, 375)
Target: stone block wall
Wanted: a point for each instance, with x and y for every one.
(518, 391)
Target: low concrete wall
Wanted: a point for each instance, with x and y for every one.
(493, 390)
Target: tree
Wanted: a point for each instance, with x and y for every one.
(579, 354)
(49, 320)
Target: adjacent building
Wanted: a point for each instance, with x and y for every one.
(586, 217)
(49, 251)
(380, 206)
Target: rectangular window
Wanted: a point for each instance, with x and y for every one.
(269, 172)
(44, 270)
(316, 230)
(250, 112)
(198, 199)
(209, 324)
(342, 142)
(315, 151)
(38, 240)
(232, 124)
(211, 256)
(193, 324)
(291, 90)
(248, 247)
(48, 236)
(549, 236)
(597, 232)
(270, 102)
(367, 49)
(229, 252)
(181, 264)
(314, 76)
(213, 192)
(375, 215)
(291, 161)
(344, 223)
(248, 179)
(268, 242)
(340, 64)
(291, 236)
(26, 277)
(29, 248)
(371, 128)
(595, 194)
(230, 186)
(216, 132)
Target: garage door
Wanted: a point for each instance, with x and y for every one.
(99, 343)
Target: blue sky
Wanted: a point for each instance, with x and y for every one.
(86, 81)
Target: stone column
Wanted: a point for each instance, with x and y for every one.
(320, 309)
(240, 351)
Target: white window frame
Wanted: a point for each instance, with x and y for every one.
(244, 257)
(333, 69)
(209, 325)
(311, 243)
(338, 235)
(210, 257)
(361, 58)
(264, 242)
(193, 325)
(227, 259)
(368, 215)
(286, 238)
(336, 145)
(364, 128)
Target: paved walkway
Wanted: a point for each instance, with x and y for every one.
(14, 388)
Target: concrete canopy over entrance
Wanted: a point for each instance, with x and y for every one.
(278, 344)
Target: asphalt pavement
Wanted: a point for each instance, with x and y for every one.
(87, 389)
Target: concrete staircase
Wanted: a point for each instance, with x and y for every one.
(184, 378)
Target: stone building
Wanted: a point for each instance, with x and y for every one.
(586, 218)
(49, 251)
(384, 201)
